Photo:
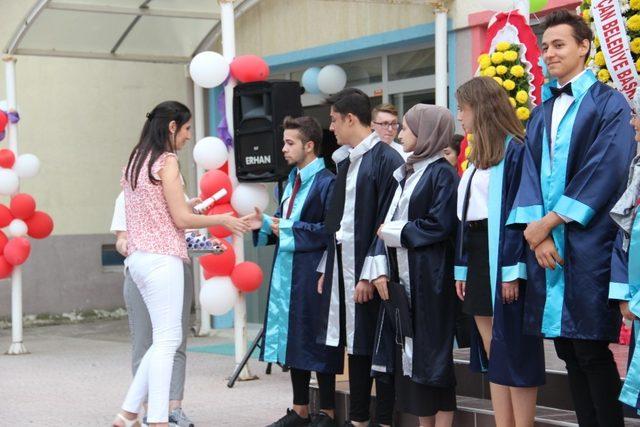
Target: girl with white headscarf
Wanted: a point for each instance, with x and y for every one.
(418, 237)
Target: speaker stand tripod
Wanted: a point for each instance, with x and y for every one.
(258, 342)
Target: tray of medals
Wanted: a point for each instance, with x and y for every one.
(199, 244)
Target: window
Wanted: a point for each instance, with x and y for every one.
(416, 63)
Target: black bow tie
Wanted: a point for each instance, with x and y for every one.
(557, 91)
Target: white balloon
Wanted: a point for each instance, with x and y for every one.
(218, 295)
(9, 182)
(26, 166)
(247, 197)
(332, 79)
(209, 69)
(210, 153)
(17, 228)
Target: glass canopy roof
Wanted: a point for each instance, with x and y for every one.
(169, 31)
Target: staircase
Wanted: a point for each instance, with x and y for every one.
(555, 407)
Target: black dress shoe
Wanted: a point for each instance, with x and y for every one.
(292, 419)
(322, 420)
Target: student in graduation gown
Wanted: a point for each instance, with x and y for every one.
(362, 192)
(578, 147)
(418, 234)
(490, 266)
(293, 304)
(625, 267)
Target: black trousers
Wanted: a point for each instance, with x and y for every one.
(326, 383)
(360, 383)
(594, 381)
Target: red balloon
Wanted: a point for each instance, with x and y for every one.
(224, 168)
(218, 230)
(4, 119)
(5, 216)
(219, 265)
(3, 241)
(249, 68)
(23, 206)
(247, 276)
(7, 158)
(5, 268)
(212, 182)
(17, 250)
(39, 226)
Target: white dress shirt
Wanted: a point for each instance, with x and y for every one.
(479, 198)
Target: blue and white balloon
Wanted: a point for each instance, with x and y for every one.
(310, 80)
(332, 79)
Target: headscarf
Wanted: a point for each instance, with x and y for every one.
(433, 126)
(624, 211)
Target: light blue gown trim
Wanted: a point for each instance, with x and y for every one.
(265, 231)
(460, 272)
(513, 272)
(631, 388)
(494, 226)
(525, 214)
(619, 291)
(574, 209)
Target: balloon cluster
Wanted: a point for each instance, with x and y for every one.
(20, 218)
(223, 278)
(329, 79)
(210, 69)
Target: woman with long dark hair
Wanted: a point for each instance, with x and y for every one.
(490, 270)
(157, 214)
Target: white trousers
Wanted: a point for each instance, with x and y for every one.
(160, 280)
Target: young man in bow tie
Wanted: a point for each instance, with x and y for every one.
(579, 145)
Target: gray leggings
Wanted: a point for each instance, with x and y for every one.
(140, 328)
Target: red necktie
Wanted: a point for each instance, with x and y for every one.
(296, 187)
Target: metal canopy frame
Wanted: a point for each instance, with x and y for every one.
(145, 9)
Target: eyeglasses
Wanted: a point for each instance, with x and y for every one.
(389, 125)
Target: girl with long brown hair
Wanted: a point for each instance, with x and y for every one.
(490, 271)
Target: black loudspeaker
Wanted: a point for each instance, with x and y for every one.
(258, 111)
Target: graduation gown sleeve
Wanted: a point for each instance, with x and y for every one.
(587, 192)
(619, 285)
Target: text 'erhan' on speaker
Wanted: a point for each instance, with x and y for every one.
(258, 111)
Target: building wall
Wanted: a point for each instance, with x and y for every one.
(81, 118)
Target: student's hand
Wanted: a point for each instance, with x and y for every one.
(237, 226)
(535, 233)
(364, 292)
(626, 313)
(275, 226)
(254, 219)
(192, 204)
(547, 254)
(460, 289)
(380, 231)
(381, 284)
(510, 291)
(121, 246)
(320, 283)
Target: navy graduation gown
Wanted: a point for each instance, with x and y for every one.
(291, 320)
(517, 360)
(419, 233)
(369, 189)
(581, 179)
